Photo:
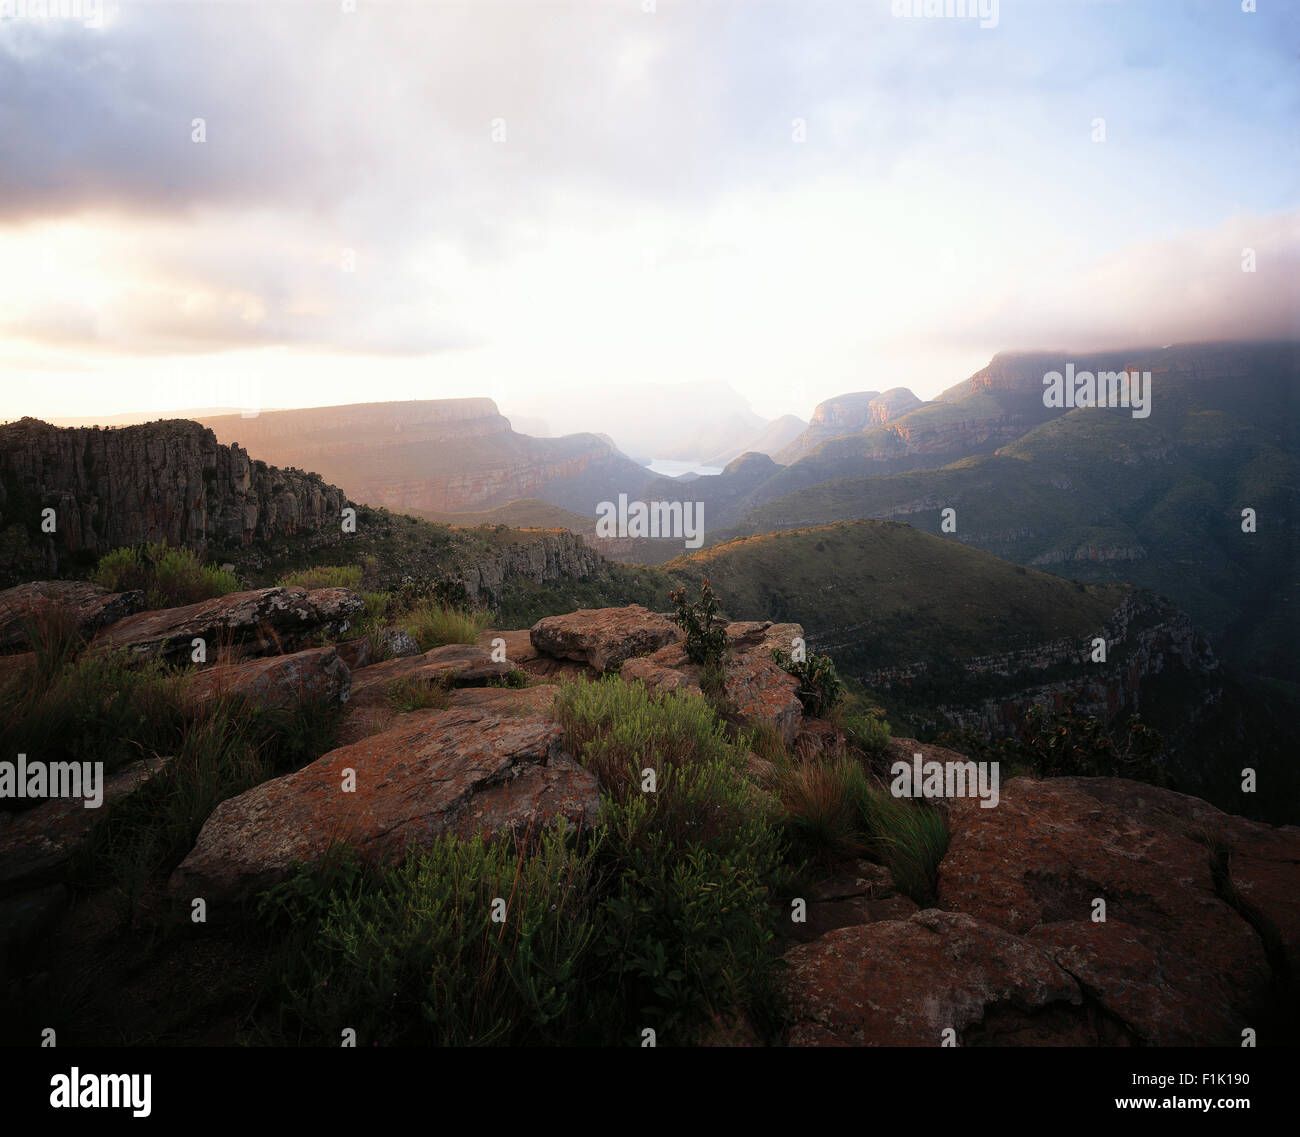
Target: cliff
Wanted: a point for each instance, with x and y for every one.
(167, 480)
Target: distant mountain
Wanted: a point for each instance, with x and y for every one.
(774, 437)
(848, 414)
(436, 456)
(1098, 495)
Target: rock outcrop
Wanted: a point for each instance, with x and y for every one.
(168, 480)
(282, 682)
(849, 414)
(88, 605)
(1198, 942)
(462, 771)
(258, 622)
(604, 637)
(36, 843)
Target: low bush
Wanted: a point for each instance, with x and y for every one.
(868, 731)
(324, 576)
(705, 643)
(413, 954)
(432, 624)
(169, 576)
(820, 688)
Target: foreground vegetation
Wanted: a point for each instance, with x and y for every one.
(669, 915)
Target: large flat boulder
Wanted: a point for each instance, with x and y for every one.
(1176, 961)
(91, 606)
(461, 771)
(36, 843)
(279, 681)
(264, 621)
(603, 637)
(906, 982)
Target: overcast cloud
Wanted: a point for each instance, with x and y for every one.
(356, 226)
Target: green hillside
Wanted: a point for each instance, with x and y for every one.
(1101, 496)
(879, 594)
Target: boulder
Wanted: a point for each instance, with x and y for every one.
(264, 621)
(603, 637)
(905, 982)
(447, 771)
(1175, 960)
(279, 681)
(90, 605)
(758, 691)
(36, 843)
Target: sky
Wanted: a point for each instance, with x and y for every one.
(546, 203)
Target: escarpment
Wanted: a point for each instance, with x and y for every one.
(69, 495)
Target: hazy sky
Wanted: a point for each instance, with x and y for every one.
(543, 201)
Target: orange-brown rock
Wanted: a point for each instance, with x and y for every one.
(90, 607)
(279, 681)
(1175, 960)
(263, 621)
(453, 771)
(451, 663)
(760, 692)
(905, 982)
(603, 637)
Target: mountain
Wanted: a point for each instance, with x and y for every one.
(774, 437)
(440, 456)
(1098, 495)
(848, 414)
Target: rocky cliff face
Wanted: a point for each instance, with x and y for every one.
(1144, 637)
(167, 480)
(549, 557)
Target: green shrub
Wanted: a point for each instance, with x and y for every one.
(616, 729)
(908, 836)
(433, 624)
(411, 694)
(687, 919)
(324, 576)
(820, 688)
(705, 644)
(823, 799)
(443, 592)
(169, 577)
(413, 956)
(868, 731)
(100, 708)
